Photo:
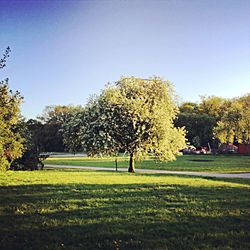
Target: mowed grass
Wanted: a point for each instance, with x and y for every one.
(201, 163)
(69, 209)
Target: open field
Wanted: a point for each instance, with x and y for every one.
(70, 209)
(202, 163)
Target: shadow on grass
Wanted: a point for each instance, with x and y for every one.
(124, 216)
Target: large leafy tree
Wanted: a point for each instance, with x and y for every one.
(234, 126)
(213, 106)
(135, 115)
(10, 140)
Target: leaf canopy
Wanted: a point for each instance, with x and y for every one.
(134, 115)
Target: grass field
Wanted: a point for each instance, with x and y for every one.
(204, 163)
(69, 209)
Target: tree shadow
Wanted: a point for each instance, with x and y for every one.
(123, 216)
(201, 160)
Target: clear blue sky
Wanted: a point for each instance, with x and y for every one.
(63, 51)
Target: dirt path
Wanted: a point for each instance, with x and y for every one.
(205, 174)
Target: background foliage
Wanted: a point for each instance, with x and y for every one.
(10, 140)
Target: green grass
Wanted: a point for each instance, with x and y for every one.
(202, 163)
(69, 209)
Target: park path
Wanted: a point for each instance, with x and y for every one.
(205, 174)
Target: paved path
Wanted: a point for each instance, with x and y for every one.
(240, 175)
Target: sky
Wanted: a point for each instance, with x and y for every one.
(64, 51)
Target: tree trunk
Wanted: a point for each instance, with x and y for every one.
(131, 168)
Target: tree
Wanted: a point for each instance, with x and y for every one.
(72, 129)
(189, 107)
(199, 127)
(135, 115)
(34, 130)
(58, 114)
(10, 141)
(53, 120)
(4, 58)
(234, 125)
(212, 106)
(200, 119)
(245, 118)
(30, 154)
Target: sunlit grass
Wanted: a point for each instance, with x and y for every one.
(11, 178)
(205, 163)
(59, 209)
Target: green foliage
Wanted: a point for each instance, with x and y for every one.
(234, 125)
(4, 58)
(216, 119)
(71, 130)
(39, 136)
(32, 146)
(35, 135)
(101, 210)
(10, 140)
(212, 106)
(196, 141)
(189, 107)
(134, 115)
(199, 127)
(58, 114)
(54, 133)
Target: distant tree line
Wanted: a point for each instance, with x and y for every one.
(213, 120)
(216, 120)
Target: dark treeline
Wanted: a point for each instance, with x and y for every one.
(47, 130)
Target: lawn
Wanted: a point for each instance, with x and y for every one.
(73, 209)
(202, 163)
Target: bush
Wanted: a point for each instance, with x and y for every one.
(29, 161)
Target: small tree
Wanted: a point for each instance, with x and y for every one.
(10, 141)
(135, 115)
